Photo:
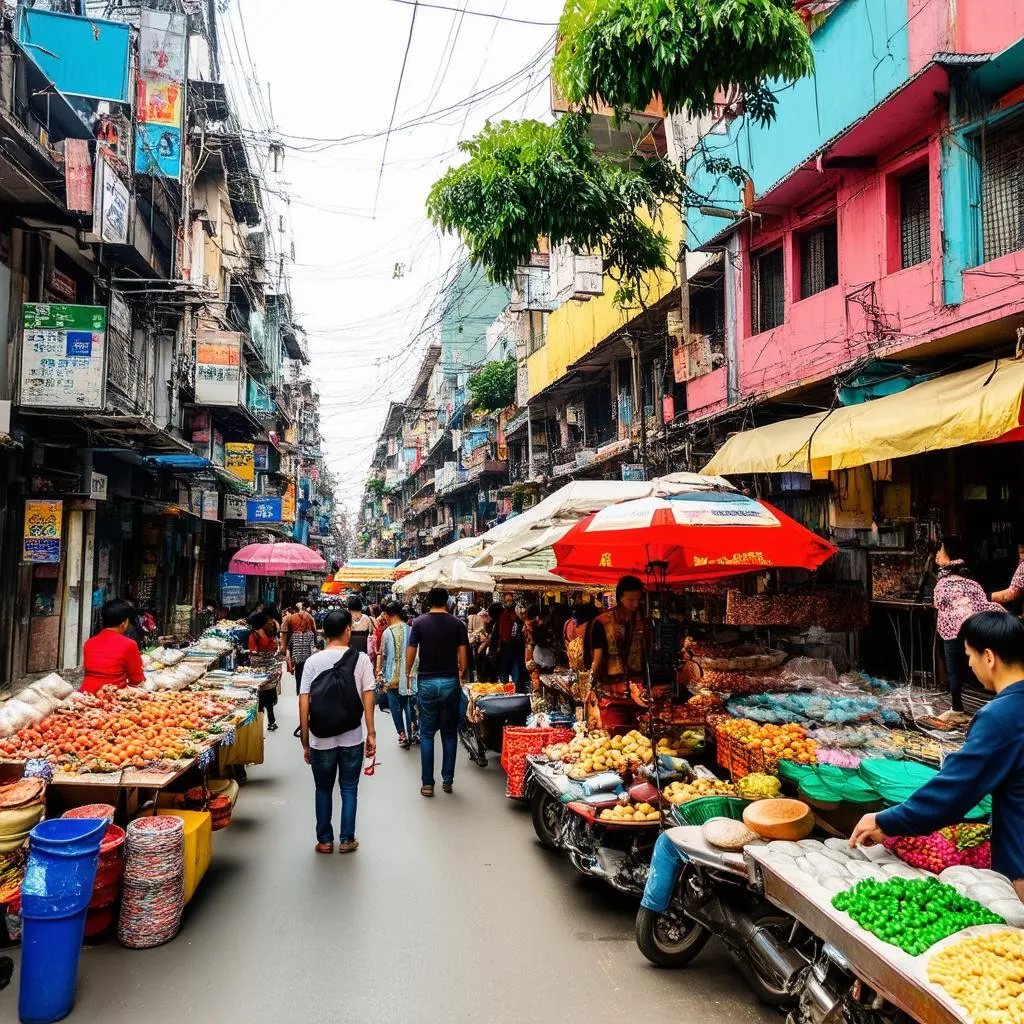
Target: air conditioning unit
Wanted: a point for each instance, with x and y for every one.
(532, 290)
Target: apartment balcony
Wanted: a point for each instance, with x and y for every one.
(533, 287)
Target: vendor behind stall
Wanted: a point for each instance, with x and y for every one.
(1013, 593)
(991, 760)
(109, 657)
(617, 636)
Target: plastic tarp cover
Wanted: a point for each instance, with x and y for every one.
(666, 862)
(968, 407)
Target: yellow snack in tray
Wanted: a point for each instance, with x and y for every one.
(985, 975)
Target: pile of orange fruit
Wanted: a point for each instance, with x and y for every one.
(779, 742)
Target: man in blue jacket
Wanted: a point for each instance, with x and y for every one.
(991, 760)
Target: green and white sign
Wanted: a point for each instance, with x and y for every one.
(63, 356)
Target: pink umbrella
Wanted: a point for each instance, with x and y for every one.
(275, 559)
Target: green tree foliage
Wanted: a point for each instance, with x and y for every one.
(624, 53)
(376, 486)
(494, 387)
(524, 180)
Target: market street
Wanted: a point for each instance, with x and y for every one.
(449, 911)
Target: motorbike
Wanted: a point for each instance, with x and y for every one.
(497, 710)
(695, 891)
(618, 855)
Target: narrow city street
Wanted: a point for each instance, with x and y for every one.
(449, 911)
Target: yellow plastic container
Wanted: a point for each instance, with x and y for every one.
(198, 846)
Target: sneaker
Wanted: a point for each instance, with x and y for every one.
(348, 847)
(447, 786)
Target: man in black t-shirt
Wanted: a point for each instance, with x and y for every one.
(442, 643)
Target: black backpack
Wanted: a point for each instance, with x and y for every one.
(335, 703)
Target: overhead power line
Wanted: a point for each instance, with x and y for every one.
(478, 14)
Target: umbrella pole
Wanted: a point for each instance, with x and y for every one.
(652, 569)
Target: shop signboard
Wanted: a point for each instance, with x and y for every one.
(218, 448)
(78, 175)
(239, 460)
(63, 356)
(43, 521)
(232, 590)
(263, 510)
(234, 506)
(113, 203)
(261, 455)
(98, 486)
(634, 471)
(62, 285)
(211, 506)
(218, 367)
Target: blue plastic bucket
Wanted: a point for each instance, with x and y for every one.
(61, 870)
(63, 854)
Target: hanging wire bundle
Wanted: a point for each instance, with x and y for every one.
(154, 882)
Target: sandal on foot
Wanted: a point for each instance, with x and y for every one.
(426, 790)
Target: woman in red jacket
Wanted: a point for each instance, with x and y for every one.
(109, 657)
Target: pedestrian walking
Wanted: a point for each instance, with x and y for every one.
(336, 702)
(262, 643)
(298, 643)
(362, 625)
(442, 644)
(391, 670)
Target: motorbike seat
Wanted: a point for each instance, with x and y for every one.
(505, 705)
(690, 842)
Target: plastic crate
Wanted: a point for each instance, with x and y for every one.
(517, 744)
(704, 808)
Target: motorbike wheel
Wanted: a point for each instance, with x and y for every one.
(765, 988)
(546, 812)
(659, 947)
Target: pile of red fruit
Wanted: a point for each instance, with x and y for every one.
(964, 845)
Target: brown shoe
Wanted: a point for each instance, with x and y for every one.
(348, 847)
(324, 847)
(446, 786)
(426, 790)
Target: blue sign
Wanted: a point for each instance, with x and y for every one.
(79, 343)
(263, 510)
(232, 590)
(81, 56)
(41, 549)
(158, 150)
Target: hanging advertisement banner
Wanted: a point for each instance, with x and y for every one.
(218, 448)
(288, 504)
(218, 367)
(63, 356)
(43, 521)
(238, 460)
(261, 455)
(78, 175)
(163, 52)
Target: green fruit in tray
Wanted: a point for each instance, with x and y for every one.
(758, 786)
(913, 914)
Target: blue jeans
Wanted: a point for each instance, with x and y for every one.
(401, 711)
(440, 701)
(344, 765)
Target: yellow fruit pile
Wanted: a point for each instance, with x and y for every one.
(758, 786)
(782, 742)
(570, 752)
(614, 754)
(630, 812)
(683, 792)
(679, 746)
(985, 975)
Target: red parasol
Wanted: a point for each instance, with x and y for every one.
(686, 538)
(275, 559)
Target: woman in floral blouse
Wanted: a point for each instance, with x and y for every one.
(957, 597)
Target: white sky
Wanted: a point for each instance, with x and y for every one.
(332, 70)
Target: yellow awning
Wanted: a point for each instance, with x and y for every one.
(968, 407)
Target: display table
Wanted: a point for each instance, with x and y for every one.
(899, 977)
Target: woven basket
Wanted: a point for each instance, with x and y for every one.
(517, 744)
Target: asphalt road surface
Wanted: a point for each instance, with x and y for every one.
(449, 911)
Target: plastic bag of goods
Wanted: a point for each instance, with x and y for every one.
(21, 714)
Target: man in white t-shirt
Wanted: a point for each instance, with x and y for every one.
(337, 758)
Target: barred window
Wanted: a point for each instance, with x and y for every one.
(1002, 189)
(768, 286)
(915, 222)
(819, 260)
